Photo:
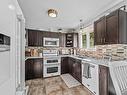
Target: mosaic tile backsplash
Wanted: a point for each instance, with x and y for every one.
(116, 51)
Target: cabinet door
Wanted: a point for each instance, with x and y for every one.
(38, 68)
(112, 28)
(29, 72)
(35, 38)
(78, 71)
(39, 38)
(71, 66)
(99, 31)
(64, 65)
(32, 38)
(111, 89)
(103, 80)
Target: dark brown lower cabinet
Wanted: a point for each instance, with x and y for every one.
(78, 70)
(75, 68)
(64, 65)
(103, 80)
(33, 69)
(106, 86)
(71, 66)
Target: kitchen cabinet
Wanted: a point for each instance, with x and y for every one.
(64, 65)
(32, 38)
(35, 38)
(72, 66)
(39, 38)
(78, 70)
(111, 29)
(33, 69)
(29, 73)
(106, 86)
(116, 27)
(75, 68)
(99, 31)
(103, 80)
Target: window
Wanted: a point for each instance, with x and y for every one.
(84, 44)
(88, 38)
(92, 40)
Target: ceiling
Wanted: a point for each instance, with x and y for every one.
(69, 12)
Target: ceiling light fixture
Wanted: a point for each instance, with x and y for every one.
(52, 13)
(81, 24)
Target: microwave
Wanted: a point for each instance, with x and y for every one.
(51, 42)
(4, 40)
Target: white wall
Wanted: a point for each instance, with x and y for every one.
(8, 27)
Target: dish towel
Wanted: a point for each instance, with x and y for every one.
(87, 70)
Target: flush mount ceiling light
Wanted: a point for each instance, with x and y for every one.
(52, 13)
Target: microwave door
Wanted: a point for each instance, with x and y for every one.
(51, 42)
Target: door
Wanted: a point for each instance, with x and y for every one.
(99, 31)
(112, 28)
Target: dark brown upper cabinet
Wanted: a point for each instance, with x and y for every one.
(35, 38)
(99, 31)
(111, 29)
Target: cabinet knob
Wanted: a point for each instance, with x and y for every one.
(88, 85)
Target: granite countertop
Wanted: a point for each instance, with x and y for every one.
(96, 61)
(33, 57)
(103, 62)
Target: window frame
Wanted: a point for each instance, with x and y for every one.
(87, 31)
